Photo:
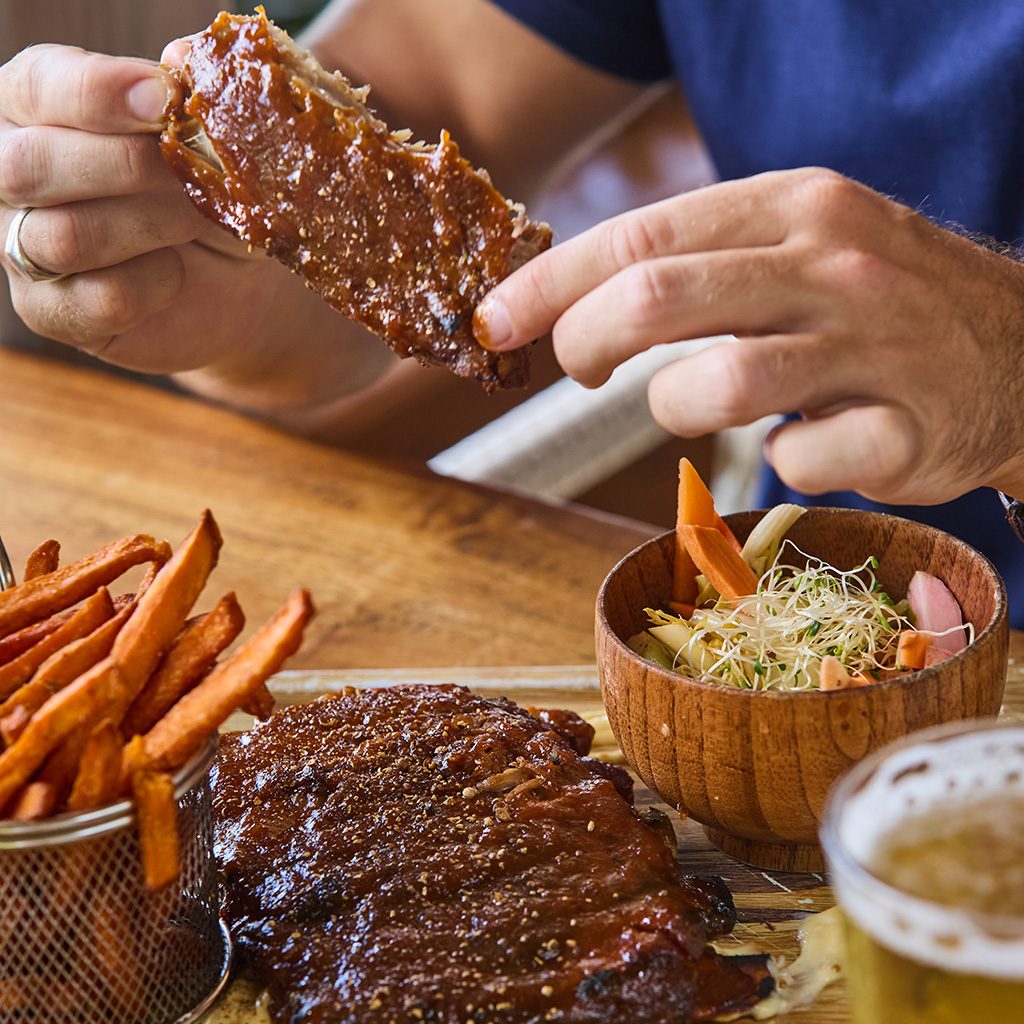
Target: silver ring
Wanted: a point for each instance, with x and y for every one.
(19, 259)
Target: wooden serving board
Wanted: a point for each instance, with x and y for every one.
(770, 904)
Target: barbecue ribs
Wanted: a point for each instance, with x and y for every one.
(420, 853)
(406, 239)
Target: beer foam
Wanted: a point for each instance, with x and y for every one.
(944, 770)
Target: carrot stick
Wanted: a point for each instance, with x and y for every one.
(696, 507)
(912, 651)
(682, 608)
(716, 559)
(723, 528)
(43, 560)
(697, 504)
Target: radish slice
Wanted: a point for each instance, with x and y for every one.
(936, 611)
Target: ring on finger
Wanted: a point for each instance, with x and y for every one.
(19, 259)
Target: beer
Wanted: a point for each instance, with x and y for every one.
(925, 844)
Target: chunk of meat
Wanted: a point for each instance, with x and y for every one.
(406, 239)
(421, 853)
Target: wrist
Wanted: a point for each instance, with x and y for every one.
(1009, 478)
(291, 353)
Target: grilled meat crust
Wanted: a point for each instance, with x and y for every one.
(421, 853)
(406, 239)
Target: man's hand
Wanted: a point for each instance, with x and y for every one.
(153, 286)
(900, 343)
(78, 146)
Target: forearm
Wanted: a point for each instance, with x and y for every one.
(311, 371)
(515, 104)
(294, 354)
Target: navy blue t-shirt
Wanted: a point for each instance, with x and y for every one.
(920, 99)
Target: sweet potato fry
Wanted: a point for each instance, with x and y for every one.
(14, 999)
(87, 700)
(17, 643)
(133, 759)
(93, 613)
(99, 772)
(162, 609)
(261, 704)
(35, 802)
(36, 599)
(38, 800)
(147, 580)
(14, 720)
(157, 812)
(109, 688)
(114, 952)
(182, 731)
(192, 655)
(58, 671)
(43, 560)
(61, 768)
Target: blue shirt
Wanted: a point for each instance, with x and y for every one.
(920, 99)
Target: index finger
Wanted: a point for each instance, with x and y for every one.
(730, 215)
(67, 87)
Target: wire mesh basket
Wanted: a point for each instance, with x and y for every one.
(83, 942)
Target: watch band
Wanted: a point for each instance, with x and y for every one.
(1014, 514)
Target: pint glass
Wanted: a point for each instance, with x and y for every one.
(925, 845)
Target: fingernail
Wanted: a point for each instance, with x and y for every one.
(148, 99)
(492, 326)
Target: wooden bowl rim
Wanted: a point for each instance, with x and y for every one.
(883, 686)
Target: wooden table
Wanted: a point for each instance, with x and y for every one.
(408, 570)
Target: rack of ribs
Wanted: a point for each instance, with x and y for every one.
(421, 853)
(404, 238)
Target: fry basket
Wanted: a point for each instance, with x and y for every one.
(83, 942)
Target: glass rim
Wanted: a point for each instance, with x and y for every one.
(841, 860)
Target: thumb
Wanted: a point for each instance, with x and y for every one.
(176, 52)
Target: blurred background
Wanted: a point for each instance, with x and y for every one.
(598, 448)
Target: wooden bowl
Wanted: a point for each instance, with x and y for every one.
(754, 767)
